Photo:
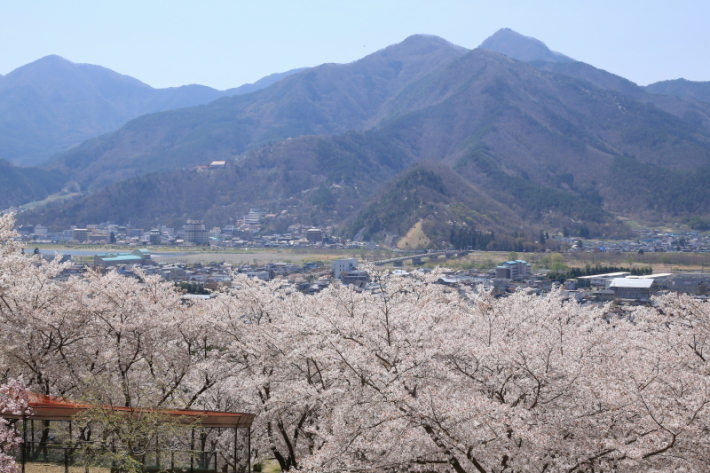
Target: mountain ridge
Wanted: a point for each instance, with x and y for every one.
(547, 144)
(306, 103)
(51, 104)
(698, 90)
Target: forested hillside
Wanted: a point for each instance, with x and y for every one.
(324, 100)
(517, 146)
(20, 185)
(682, 88)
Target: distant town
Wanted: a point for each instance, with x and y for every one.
(247, 232)
(505, 277)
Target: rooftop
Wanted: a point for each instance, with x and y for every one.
(122, 257)
(53, 408)
(632, 283)
(605, 275)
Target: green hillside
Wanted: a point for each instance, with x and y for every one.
(20, 185)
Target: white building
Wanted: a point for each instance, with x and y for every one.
(625, 288)
(601, 280)
(253, 217)
(343, 265)
(513, 269)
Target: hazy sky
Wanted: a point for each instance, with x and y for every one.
(224, 43)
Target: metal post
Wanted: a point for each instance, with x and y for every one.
(249, 449)
(66, 460)
(204, 462)
(24, 443)
(192, 451)
(157, 452)
(236, 431)
(70, 441)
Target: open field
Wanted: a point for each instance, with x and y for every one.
(661, 262)
(191, 255)
(53, 468)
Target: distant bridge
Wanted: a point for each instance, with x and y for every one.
(417, 259)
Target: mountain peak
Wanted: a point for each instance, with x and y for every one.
(523, 48)
(52, 58)
(430, 39)
(420, 44)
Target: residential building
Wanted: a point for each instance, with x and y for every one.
(314, 235)
(513, 269)
(356, 277)
(80, 234)
(194, 232)
(263, 275)
(343, 265)
(155, 237)
(253, 217)
(98, 236)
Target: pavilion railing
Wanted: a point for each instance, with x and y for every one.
(38, 457)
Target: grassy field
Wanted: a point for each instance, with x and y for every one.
(52, 468)
(191, 255)
(481, 260)
(660, 262)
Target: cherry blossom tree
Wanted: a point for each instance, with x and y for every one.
(422, 377)
(13, 401)
(414, 376)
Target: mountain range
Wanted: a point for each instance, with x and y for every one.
(421, 137)
(53, 104)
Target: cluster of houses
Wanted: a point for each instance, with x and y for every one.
(247, 230)
(244, 233)
(648, 241)
(309, 277)
(622, 287)
(503, 279)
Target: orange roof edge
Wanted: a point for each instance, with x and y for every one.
(44, 407)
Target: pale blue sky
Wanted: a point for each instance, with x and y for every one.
(224, 43)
